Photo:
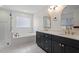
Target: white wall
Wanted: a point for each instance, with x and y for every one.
(21, 31)
(76, 17)
(37, 22)
(56, 24)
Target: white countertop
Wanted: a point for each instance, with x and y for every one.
(61, 33)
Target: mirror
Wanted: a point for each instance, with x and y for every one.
(46, 22)
(70, 16)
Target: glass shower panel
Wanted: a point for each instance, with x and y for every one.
(4, 28)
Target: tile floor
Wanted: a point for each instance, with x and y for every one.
(25, 48)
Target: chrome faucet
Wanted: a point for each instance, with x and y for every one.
(69, 30)
(16, 35)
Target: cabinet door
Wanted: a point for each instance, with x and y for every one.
(47, 42)
(70, 49)
(47, 45)
(42, 40)
(57, 47)
(38, 38)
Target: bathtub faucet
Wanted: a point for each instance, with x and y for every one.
(16, 35)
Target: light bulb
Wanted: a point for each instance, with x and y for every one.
(49, 10)
(52, 7)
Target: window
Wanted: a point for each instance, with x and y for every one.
(23, 22)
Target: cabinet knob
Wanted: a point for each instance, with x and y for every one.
(62, 45)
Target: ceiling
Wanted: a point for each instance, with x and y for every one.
(39, 9)
(28, 8)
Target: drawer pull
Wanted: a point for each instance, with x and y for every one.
(62, 45)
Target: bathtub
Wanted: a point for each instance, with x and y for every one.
(23, 39)
(23, 44)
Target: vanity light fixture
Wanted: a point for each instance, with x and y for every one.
(51, 11)
(53, 7)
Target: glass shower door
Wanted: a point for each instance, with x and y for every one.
(4, 28)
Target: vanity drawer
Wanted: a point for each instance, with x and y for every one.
(64, 40)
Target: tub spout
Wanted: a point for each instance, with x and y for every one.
(16, 35)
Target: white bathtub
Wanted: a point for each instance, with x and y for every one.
(24, 39)
(23, 44)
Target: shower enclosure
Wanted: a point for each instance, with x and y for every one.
(5, 28)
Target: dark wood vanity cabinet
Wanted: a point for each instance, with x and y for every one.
(43, 40)
(70, 49)
(47, 43)
(64, 48)
(56, 44)
(64, 45)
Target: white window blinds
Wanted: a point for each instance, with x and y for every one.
(23, 22)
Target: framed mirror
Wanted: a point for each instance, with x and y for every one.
(46, 22)
(70, 16)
